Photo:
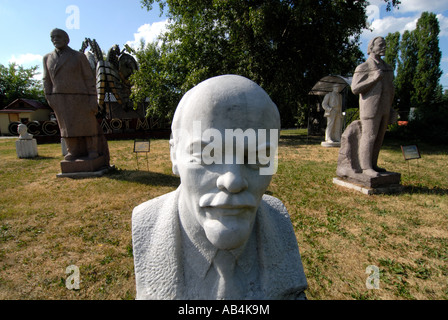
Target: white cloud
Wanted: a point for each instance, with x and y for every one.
(148, 33)
(420, 6)
(27, 59)
(443, 23)
(381, 27)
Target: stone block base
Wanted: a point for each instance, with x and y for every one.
(92, 174)
(383, 179)
(385, 189)
(84, 166)
(330, 144)
(26, 148)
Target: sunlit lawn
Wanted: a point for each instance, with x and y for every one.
(48, 223)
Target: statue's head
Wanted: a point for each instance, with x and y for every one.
(223, 147)
(377, 46)
(59, 38)
(22, 129)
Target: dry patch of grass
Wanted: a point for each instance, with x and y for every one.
(341, 232)
(48, 224)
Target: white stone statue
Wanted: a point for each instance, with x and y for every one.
(22, 130)
(332, 104)
(26, 146)
(218, 236)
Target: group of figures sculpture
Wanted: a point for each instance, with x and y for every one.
(112, 72)
(218, 235)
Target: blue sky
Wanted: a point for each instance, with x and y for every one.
(25, 25)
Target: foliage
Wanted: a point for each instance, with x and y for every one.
(417, 82)
(418, 71)
(393, 42)
(154, 84)
(18, 82)
(406, 69)
(284, 46)
(429, 124)
(428, 72)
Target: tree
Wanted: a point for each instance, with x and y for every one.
(18, 82)
(284, 46)
(428, 73)
(407, 65)
(154, 83)
(393, 43)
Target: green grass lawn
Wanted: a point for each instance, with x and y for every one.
(48, 223)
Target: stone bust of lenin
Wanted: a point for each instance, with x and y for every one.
(217, 236)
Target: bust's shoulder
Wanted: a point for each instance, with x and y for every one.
(153, 205)
(274, 206)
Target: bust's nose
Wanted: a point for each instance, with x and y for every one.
(232, 179)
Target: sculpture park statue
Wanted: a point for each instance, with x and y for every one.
(26, 146)
(362, 140)
(332, 104)
(112, 73)
(218, 236)
(22, 130)
(69, 86)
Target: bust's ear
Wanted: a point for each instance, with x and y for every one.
(173, 156)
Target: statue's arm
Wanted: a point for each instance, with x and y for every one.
(364, 79)
(325, 104)
(48, 84)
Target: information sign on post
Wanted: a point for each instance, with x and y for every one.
(410, 152)
(142, 146)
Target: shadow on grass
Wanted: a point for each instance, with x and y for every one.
(424, 190)
(40, 158)
(145, 177)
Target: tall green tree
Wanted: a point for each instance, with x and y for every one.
(407, 66)
(392, 48)
(428, 72)
(284, 46)
(19, 82)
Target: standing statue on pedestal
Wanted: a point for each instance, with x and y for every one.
(332, 104)
(70, 90)
(373, 81)
(362, 140)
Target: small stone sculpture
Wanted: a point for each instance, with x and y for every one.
(218, 236)
(69, 86)
(22, 130)
(332, 104)
(26, 146)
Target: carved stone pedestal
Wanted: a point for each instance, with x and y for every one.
(84, 167)
(330, 144)
(26, 148)
(386, 182)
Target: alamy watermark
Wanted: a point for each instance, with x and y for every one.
(373, 280)
(253, 147)
(73, 21)
(73, 280)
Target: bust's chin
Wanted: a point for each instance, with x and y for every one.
(227, 233)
